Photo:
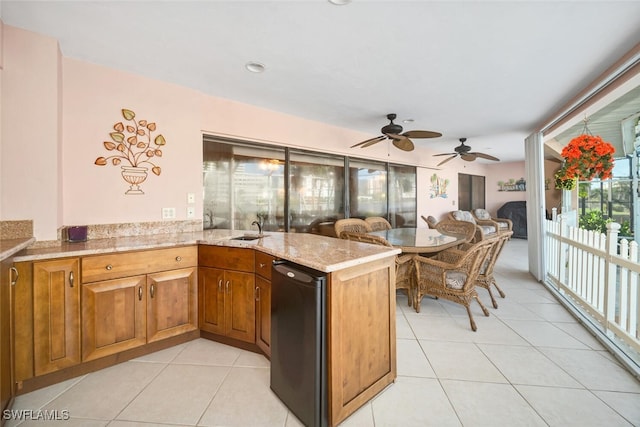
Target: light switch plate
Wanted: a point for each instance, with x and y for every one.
(191, 198)
(191, 212)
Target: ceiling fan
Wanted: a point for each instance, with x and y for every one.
(394, 132)
(464, 151)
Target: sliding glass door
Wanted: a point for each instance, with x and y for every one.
(298, 190)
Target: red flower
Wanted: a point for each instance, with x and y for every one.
(586, 157)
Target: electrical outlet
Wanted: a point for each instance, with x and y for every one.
(191, 212)
(168, 213)
(191, 198)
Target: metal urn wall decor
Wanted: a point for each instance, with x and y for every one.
(133, 148)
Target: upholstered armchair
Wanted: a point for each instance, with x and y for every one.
(486, 228)
(504, 224)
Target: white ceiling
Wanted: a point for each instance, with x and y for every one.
(489, 71)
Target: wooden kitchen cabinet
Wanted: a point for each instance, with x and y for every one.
(226, 290)
(148, 298)
(56, 315)
(172, 307)
(263, 301)
(113, 316)
(7, 275)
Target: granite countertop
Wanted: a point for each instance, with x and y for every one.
(9, 247)
(322, 253)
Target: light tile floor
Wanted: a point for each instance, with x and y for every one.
(529, 363)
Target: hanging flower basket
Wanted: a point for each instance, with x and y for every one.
(563, 183)
(586, 157)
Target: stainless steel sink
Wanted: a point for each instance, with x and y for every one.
(249, 237)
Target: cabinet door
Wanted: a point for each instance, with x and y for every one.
(6, 342)
(240, 305)
(263, 315)
(172, 305)
(113, 316)
(211, 300)
(56, 317)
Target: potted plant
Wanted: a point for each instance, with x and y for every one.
(585, 157)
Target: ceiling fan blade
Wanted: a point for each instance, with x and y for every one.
(422, 134)
(487, 156)
(369, 141)
(469, 157)
(446, 154)
(405, 144)
(446, 160)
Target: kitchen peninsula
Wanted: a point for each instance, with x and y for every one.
(164, 275)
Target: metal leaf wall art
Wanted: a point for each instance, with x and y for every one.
(133, 146)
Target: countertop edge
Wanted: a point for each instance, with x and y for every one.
(107, 246)
(13, 246)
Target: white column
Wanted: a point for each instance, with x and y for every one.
(534, 170)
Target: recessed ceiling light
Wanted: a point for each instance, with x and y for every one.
(255, 67)
(339, 2)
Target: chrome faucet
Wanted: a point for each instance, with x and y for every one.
(259, 226)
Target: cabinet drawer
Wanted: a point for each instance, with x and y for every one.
(112, 266)
(263, 264)
(226, 258)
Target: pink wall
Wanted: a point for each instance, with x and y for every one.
(48, 153)
(502, 172)
(30, 130)
(93, 99)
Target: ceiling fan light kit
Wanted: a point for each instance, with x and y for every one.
(393, 131)
(464, 151)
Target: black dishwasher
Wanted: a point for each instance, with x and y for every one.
(298, 341)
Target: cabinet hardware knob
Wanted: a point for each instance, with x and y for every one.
(139, 293)
(219, 285)
(226, 286)
(71, 279)
(109, 267)
(262, 265)
(152, 290)
(257, 293)
(13, 274)
(178, 258)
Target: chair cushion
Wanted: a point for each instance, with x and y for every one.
(455, 279)
(464, 216)
(488, 229)
(502, 224)
(482, 214)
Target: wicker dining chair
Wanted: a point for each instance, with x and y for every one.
(405, 277)
(351, 224)
(377, 223)
(451, 274)
(485, 276)
(466, 229)
(431, 221)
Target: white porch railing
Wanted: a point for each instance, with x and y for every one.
(598, 274)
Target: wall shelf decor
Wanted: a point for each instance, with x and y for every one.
(512, 185)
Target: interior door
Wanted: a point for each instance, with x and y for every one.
(471, 192)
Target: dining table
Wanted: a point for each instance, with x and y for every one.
(419, 240)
